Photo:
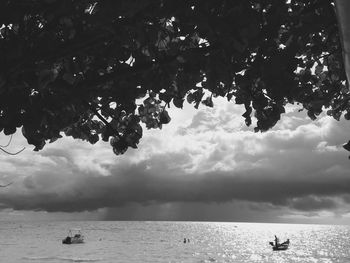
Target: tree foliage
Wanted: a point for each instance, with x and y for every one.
(98, 69)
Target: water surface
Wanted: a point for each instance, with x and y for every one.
(125, 241)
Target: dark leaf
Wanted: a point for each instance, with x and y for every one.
(164, 117)
(178, 102)
(208, 102)
(347, 146)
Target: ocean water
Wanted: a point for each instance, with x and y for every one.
(124, 241)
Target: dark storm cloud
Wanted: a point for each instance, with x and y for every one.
(310, 203)
(346, 198)
(154, 181)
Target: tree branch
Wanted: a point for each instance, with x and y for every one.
(8, 143)
(13, 153)
(140, 67)
(102, 118)
(327, 55)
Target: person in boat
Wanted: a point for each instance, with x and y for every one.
(286, 242)
(68, 239)
(277, 241)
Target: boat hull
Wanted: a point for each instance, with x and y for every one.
(69, 241)
(281, 247)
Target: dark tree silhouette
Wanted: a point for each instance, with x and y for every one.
(98, 69)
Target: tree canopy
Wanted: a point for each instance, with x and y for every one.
(99, 69)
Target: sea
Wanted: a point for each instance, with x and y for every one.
(149, 241)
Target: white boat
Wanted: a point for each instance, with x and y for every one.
(74, 237)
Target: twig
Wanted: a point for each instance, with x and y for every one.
(102, 118)
(4, 146)
(327, 55)
(13, 153)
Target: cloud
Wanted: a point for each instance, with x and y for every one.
(310, 203)
(203, 162)
(161, 179)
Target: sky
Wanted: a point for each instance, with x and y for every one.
(206, 165)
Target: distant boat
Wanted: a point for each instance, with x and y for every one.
(282, 246)
(74, 237)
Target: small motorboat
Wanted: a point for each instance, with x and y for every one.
(282, 246)
(74, 237)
